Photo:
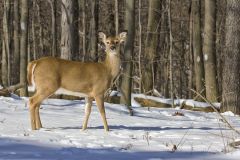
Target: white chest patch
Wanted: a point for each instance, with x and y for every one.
(71, 93)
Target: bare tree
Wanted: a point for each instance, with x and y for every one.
(69, 44)
(93, 47)
(209, 50)
(197, 46)
(126, 83)
(116, 17)
(53, 27)
(6, 43)
(40, 33)
(16, 43)
(231, 65)
(23, 46)
(170, 51)
(83, 32)
(151, 44)
(140, 44)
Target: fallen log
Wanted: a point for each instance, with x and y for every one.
(6, 92)
(152, 103)
(197, 108)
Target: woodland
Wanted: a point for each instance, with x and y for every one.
(176, 49)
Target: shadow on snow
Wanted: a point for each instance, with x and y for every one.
(13, 149)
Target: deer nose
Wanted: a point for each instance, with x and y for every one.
(112, 47)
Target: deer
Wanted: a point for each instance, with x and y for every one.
(91, 80)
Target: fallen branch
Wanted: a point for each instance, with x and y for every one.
(6, 92)
(214, 108)
(152, 103)
(235, 144)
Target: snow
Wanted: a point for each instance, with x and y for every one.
(148, 135)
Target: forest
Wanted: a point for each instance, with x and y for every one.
(176, 49)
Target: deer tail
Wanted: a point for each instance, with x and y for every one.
(30, 72)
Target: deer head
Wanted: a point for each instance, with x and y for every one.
(112, 43)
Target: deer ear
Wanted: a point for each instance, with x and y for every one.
(102, 36)
(123, 36)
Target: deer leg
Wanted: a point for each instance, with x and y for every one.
(37, 115)
(100, 105)
(88, 107)
(34, 106)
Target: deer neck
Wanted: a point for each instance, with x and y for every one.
(113, 62)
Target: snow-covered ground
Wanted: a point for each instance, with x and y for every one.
(148, 135)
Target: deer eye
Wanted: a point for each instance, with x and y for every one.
(108, 42)
(116, 42)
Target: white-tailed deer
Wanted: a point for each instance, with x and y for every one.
(89, 79)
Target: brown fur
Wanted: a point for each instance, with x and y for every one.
(91, 79)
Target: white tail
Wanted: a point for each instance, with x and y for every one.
(91, 80)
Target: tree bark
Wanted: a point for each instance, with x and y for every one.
(93, 47)
(231, 65)
(151, 44)
(69, 43)
(40, 33)
(23, 46)
(190, 55)
(116, 17)
(126, 83)
(170, 52)
(197, 47)
(140, 44)
(16, 58)
(83, 6)
(5, 43)
(209, 50)
(53, 27)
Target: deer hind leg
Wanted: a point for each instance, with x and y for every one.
(34, 106)
(88, 107)
(101, 108)
(37, 115)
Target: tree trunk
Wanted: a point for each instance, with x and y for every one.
(116, 17)
(5, 44)
(197, 47)
(53, 27)
(23, 46)
(190, 55)
(170, 52)
(69, 42)
(93, 48)
(16, 43)
(151, 44)
(40, 33)
(140, 44)
(209, 50)
(231, 65)
(34, 49)
(83, 6)
(126, 83)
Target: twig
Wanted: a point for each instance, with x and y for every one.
(213, 107)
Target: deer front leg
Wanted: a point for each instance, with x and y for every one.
(88, 107)
(100, 105)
